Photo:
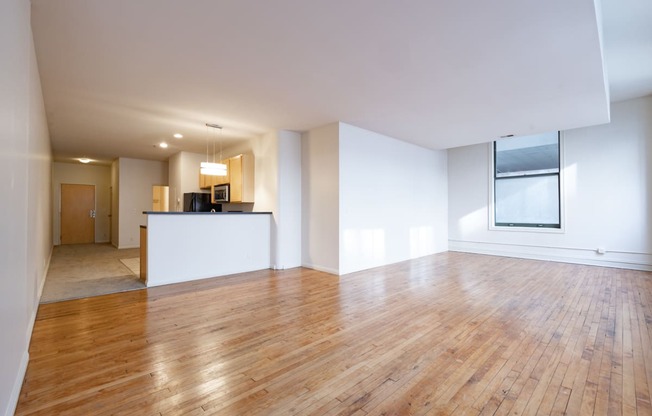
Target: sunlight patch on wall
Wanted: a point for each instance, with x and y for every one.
(366, 245)
(569, 176)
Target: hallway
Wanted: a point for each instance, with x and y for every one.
(84, 270)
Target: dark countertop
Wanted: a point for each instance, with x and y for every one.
(204, 213)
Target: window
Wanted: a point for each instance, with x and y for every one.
(527, 181)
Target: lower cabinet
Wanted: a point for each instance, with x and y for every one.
(143, 253)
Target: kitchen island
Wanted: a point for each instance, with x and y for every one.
(184, 246)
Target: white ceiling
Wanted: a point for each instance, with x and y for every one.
(120, 76)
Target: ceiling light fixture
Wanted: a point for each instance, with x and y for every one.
(163, 145)
(212, 168)
(178, 136)
(84, 160)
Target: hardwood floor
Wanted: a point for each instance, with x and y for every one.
(453, 333)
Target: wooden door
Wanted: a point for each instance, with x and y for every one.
(77, 214)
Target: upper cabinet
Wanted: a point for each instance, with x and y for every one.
(221, 180)
(206, 181)
(240, 177)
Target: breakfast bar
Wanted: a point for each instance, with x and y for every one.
(184, 246)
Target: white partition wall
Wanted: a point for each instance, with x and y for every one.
(190, 246)
(288, 214)
(393, 200)
(136, 178)
(320, 198)
(183, 177)
(370, 200)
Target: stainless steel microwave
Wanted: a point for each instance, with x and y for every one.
(219, 193)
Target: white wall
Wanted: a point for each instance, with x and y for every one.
(39, 196)
(183, 177)
(265, 151)
(195, 246)
(25, 182)
(136, 179)
(393, 200)
(607, 192)
(320, 183)
(288, 213)
(175, 174)
(115, 203)
(76, 173)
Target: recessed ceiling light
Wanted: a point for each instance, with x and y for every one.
(163, 145)
(84, 160)
(178, 136)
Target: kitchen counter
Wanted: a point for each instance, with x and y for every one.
(206, 213)
(184, 246)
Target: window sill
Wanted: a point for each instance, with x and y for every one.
(546, 230)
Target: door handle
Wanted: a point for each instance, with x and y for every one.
(92, 213)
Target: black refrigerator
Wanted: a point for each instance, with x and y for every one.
(199, 202)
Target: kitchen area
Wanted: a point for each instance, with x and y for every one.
(186, 225)
(216, 233)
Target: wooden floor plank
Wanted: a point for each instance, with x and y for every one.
(451, 333)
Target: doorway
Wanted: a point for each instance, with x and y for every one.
(77, 214)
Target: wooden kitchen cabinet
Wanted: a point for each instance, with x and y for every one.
(221, 180)
(206, 181)
(143, 253)
(240, 177)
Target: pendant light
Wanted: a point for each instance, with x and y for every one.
(212, 168)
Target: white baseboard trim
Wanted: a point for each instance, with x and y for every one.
(616, 259)
(321, 269)
(32, 320)
(18, 384)
(20, 377)
(45, 274)
(124, 247)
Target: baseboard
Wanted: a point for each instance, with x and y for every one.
(15, 393)
(18, 384)
(125, 247)
(321, 269)
(32, 320)
(616, 259)
(45, 274)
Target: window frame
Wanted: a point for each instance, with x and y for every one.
(493, 226)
